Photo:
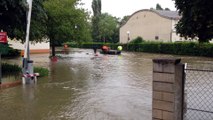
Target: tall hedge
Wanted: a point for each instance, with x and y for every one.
(178, 48)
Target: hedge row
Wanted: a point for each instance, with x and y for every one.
(178, 48)
(181, 48)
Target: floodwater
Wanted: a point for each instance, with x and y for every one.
(82, 86)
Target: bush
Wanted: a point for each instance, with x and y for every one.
(4, 48)
(10, 69)
(137, 40)
(42, 71)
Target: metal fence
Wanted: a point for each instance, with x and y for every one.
(198, 98)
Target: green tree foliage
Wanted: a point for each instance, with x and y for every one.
(104, 26)
(158, 7)
(38, 28)
(124, 20)
(108, 28)
(197, 19)
(167, 9)
(96, 7)
(13, 19)
(65, 22)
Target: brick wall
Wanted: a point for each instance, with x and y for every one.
(167, 89)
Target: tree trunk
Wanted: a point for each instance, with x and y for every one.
(53, 48)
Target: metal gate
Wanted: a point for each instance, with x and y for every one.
(198, 95)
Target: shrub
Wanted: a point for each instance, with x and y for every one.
(7, 51)
(10, 69)
(4, 48)
(42, 71)
(137, 40)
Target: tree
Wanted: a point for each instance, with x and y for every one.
(158, 7)
(82, 31)
(124, 20)
(38, 28)
(108, 28)
(13, 19)
(167, 9)
(96, 7)
(197, 19)
(65, 21)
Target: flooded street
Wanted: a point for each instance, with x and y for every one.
(83, 87)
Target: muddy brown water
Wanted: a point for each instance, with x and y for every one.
(83, 87)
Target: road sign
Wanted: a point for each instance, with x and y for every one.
(3, 37)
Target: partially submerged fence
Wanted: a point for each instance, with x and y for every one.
(198, 94)
(181, 94)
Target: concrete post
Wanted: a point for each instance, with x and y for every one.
(167, 103)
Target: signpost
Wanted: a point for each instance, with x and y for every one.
(3, 37)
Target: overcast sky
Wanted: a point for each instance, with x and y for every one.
(120, 8)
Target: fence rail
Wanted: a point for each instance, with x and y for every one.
(198, 70)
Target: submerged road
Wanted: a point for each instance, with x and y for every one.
(83, 87)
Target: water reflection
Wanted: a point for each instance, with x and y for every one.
(84, 87)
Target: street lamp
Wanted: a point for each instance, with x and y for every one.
(75, 32)
(128, 36)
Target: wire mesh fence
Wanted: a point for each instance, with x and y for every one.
(198, 95)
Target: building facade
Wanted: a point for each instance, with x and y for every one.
(151, 25)
(42, 47)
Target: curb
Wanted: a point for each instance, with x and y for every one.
(10, 84)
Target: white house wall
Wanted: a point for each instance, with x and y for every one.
(42, 47)
(148, 25)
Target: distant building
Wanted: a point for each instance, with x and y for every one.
(151, 25)
(43, 47)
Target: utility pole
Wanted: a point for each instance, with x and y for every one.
(28, 74)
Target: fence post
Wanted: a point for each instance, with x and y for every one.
(167, 101)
